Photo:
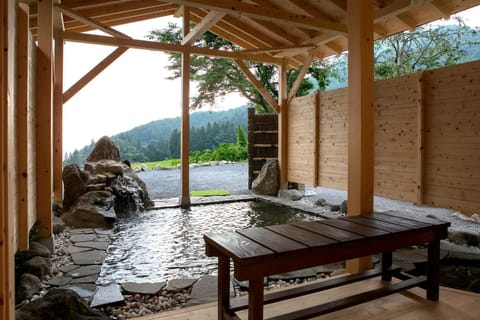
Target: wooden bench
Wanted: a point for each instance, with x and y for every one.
(260, 252)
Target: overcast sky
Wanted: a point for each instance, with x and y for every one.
(131, 91)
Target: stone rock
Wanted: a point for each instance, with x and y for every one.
(27, 285)
(100, 245)
(143, 288)
(58, 225)
(59, 304)
(84, 271)
(93, 209)
(105, 167)
(460, 236)
(84, 290)
(144, 195)
(319, 201)
(267, 181)
(59, 281)
(89, 257)
(37, 249)
(203, 291)
(334, 207)
(290, 194)
(343, 206)
(105, 295)
(304, 273)
(129, 196)
(104, 149)
(180, 284)
(75, 184)
(38, 266)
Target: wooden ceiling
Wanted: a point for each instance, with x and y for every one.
(266, 30)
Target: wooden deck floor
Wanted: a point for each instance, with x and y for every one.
(409, 305)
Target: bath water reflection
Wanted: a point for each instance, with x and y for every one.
(168, 243)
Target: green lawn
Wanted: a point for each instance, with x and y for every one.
(209, 193)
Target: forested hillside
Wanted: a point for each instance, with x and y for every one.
(160, 139)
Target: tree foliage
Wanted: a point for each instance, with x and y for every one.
(424, 48)
(216, 77)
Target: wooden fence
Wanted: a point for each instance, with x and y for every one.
(427, 138)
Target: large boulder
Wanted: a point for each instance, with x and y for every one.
(129, 196)
(75, 184)
(93, 209)
(26, 286)
(59, 304)
(267, 181)
(104, 149)
(105, 167)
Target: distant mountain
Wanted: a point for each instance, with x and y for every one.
(160, 139)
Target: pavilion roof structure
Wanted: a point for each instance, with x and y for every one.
(269, 31)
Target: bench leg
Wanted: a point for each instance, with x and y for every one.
(255, 299)
(386, 265)
(223, 287)
(433, 270)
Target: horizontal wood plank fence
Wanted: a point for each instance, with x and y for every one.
(427, 138)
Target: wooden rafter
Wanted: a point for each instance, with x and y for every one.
(168, 47)
(210, 19)
(407, 21)
(301, 75)
(442, 9)
(261, 89)
(268, 14)
(278, 49)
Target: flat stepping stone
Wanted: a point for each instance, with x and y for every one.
(84, 271)
(100, 245)
(89, 257)
(59, 281)
(104, 231)
(87, 279)
(75, 249)
(85, 291)
(81, 231)
(180, 284)
(205, 291)
(105, 295)
(69, 267)
(455, 251)
(83, 237)
(143, 288)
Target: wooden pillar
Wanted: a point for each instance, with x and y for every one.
(283, 125)
(44, 118)
(7, 161)
(185, 125)
(21, 123)
(360, 114)
(58, 119)
(420, 139)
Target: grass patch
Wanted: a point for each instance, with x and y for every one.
(209, 193)
(170, 163)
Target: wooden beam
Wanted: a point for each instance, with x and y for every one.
(283, 126)
(185, 124)
(420, 139)
(44, 118)
(272, 14)
(89, 76)
(90, 22)
(303, 47)
(360, 115)
(58, 119)
(261, 89)
(407, 21)
(166, 47)
(7, 178)
(21, 124)
(442, 9)
(301, 75)
(210, 19)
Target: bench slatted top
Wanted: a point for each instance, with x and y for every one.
(265, 243)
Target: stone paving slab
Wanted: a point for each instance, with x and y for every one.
(205, 291)
(180, 284)
(59, 281)
(68, 268)
(75, 249)
(81, 231)
(84, 271)
(87, 279)
(89, 257)
(100, 245)
(104, 231)
(85, 291)
(143, 288)
(105, 295)
(83, 237)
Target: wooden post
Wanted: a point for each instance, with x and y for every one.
(21, 123)
(44, 118)
(283, 125)
(420, 139)
(360, 115)
(8, 187)
(58, 119)
(185, 125)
